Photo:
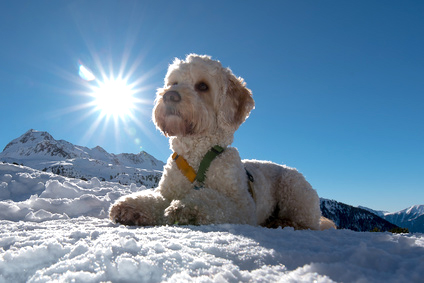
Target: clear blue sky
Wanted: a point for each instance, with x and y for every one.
(338, 85)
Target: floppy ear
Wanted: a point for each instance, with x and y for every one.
(237, 104)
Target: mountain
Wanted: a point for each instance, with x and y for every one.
(411, 218)
(353, 218)
(379, 213)
(39, 150)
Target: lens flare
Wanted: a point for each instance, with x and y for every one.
(85, 73)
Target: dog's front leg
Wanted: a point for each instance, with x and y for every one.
(205, 206)
(181, 212)
(145, 208)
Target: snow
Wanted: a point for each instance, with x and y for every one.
(39, 150)
(54, 228)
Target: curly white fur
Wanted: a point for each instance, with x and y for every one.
(201, 105)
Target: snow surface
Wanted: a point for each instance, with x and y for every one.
(54, 228)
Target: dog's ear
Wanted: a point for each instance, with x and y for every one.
(237, 104)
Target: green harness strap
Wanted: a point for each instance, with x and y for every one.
(200, 177)
(189, 172)
(206, 162)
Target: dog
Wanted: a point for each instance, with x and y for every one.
(199, 108)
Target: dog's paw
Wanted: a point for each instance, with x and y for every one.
(128, 215)
(179, 213)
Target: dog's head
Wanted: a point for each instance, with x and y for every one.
(201, 97)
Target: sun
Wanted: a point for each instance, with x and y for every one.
(114, 97)
(115, 101)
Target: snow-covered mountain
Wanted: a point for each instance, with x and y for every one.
(39, 150)
(367, 219)
(376, 212)
(353, 218)
(411, 218)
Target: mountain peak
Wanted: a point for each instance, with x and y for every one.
(35, 144)
(412, 211)
(29, 136)
(415, 210)
(41, 151)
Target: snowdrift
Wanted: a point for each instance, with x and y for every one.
(54, 228)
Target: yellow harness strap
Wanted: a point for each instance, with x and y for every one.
(191, 175)
(189, 172)
(185, 168)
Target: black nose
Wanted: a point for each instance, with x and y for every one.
(172, 96)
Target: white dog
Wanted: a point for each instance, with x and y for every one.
(200, 107)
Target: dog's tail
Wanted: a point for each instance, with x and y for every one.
(326, 223)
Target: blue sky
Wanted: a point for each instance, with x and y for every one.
(338, 85)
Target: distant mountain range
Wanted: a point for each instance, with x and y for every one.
(39, 150)
(411, 218)
(353, 218)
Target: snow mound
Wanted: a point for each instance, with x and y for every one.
(92, 250)
(55, 229)
(32, 195)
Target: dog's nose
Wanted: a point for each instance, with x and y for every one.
(172, 96)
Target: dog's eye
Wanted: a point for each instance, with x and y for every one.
(174, 83)
(202, 87)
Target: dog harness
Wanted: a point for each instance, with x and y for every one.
(190, 173)
(200, 177)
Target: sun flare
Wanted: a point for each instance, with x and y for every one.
(114, 97)
(114, 100)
